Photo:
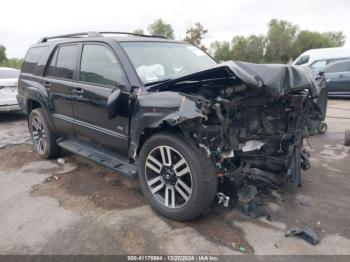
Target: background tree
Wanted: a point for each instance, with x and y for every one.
(14, 63)
(250, 49)
(9, 62)
(306, 40)
(160, 27)
(239, 47)
(139, 31)
(221, 50)
(336, 38)
(280, 37)
(283, 42)
(3, 56)
(195, 34)
(256, 48)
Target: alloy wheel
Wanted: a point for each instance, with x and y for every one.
(39, 134)
(168, 177)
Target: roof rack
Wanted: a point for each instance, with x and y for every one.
(94, 34)
(134, 34)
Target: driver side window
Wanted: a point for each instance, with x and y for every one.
(100, 66)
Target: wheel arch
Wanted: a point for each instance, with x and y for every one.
(148, 132)
(162, 112)
(34, 102)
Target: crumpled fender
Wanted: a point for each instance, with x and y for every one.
(161, 110)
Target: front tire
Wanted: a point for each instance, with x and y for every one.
(43, 138)
(176, 177)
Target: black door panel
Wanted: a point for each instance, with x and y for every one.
(61, 103)
(59, 83)
(91, 115)
(100, 74)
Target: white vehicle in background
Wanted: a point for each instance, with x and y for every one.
(8, 89)
(318, 59)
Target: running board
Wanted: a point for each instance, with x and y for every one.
(103, 157)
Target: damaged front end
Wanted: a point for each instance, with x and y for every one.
(250, 119)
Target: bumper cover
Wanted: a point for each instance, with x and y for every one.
(9, 108)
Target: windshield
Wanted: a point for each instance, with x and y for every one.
(8, 73)
(160, 61)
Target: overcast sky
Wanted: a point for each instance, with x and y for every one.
(22, 23)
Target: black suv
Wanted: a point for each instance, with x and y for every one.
(167, 112)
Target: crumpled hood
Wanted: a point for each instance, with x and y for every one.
(276, 79)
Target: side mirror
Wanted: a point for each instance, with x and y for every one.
(321, 73)
(112, 103)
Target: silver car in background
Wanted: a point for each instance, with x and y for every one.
(8, 89)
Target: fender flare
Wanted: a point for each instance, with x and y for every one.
(152, 119)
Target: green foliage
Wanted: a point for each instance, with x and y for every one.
(9, 62)
(161, 28)
(3, 56)
(139, 31)
(280, 37)
(14, 63)
(309, 40)
(283, 42)
(195, 34)
(221, 50)
(336, 38)
(241, 48)
(248, 48)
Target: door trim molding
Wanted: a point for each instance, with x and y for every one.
(91, 126)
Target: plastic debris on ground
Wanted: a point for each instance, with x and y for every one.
(223, 199)
(61, 161)
(305, 233)
(51, 178)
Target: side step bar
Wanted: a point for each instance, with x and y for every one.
(103, 157)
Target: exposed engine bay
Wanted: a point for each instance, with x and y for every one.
(250, 119)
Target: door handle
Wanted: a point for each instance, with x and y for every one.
(341, 76)
(47, 85)
(78, 91)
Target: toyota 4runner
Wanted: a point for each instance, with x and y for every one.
(166, 112)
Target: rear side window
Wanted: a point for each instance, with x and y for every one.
(32, 58)
(99, 65)
(338, 67)
(51, 69)
(63, 62)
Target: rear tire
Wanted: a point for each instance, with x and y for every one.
(162, 180)
(43, 138)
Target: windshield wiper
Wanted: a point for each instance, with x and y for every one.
(158, 82)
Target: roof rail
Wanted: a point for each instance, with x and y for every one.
(134, 34)
(94, 34)
(88, 34)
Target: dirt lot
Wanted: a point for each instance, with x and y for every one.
(82, 208)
